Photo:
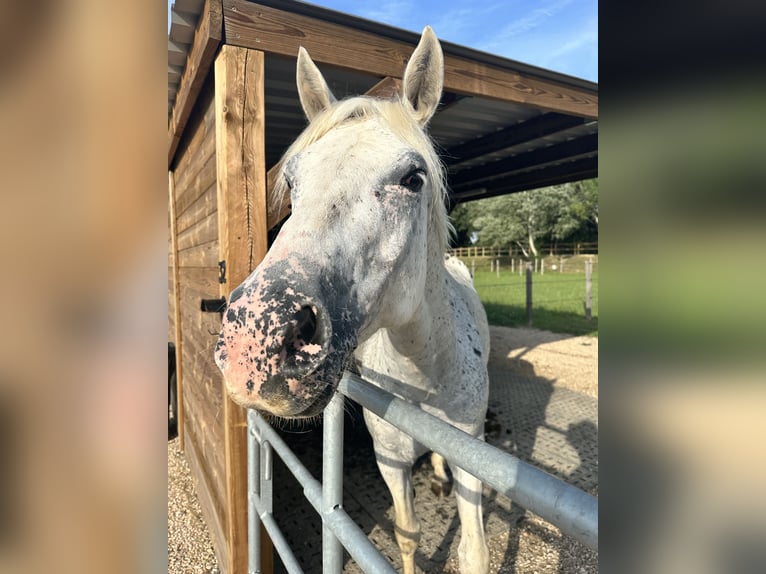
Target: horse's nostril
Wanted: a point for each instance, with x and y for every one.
(306, 325)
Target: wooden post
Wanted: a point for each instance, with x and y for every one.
(177, 311)
(521, 267)
(242, 226)
(561, 264)
(588, 289)
(512, 266)
(529, 293)
(542, 266)
(473, 268)
(497, 267)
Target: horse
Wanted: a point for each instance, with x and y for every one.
(359, 271)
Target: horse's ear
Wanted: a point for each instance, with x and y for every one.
(424, 77)
(312, 88)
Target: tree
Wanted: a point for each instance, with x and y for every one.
(584, 204)
(523, 218)
(462, 217)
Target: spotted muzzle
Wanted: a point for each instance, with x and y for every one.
(283, 342)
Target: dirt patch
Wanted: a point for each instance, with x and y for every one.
(571, 362)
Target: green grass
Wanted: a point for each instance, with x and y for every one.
(558, 301)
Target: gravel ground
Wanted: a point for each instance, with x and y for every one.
(532, 546)
(190, 550)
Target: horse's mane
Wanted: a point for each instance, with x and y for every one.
(402, 124)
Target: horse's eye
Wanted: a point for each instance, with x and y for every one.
(414, 180)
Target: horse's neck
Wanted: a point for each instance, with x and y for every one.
(420, 338)
(415, 352)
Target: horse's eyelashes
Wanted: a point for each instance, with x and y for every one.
(414, 180)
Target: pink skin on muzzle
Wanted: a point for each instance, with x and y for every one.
(279, 350)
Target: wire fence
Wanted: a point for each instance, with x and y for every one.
(552, 249)
(543, 265)
(555, 293)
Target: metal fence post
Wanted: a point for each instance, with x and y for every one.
(588, 289)
(254, 491)
(332, 481)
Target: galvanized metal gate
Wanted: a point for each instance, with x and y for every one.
(573, 511)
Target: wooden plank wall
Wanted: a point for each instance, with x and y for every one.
(194, 172)
(171, 259)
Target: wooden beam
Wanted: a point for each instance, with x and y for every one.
(277, 31)
(181, 27)
(534, 128)
(576, 170)
(207, 38)
(388, 87)
(240, 156)
(177, 310)
(241, 180)
(506, 167)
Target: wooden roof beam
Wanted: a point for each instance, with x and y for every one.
(523, 161)
(277, 31)
(532, 129)
(577, 170)
(207, 38)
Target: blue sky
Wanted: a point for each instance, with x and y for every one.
(560, 35)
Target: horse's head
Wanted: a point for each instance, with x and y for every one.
(367, 196)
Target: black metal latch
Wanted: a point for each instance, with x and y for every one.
(213, 305)
(222, 271)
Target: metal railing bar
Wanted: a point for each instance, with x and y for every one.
(332, 481)
(352, 538)
(281, 545)
(573, 511)
(253, 492)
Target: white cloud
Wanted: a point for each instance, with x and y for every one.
(550, 37)
(535, 19)
(393, 12)
(588, 37)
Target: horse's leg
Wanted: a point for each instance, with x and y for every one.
(398, 477)
(440, 483)
(472, 552)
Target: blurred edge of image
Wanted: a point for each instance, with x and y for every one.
(83, 149)
(84, 290)
(681, 380)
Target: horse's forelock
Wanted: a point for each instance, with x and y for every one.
(403, 125)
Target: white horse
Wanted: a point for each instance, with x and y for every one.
(359, 268)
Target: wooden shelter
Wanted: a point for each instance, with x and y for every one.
(502, 127)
